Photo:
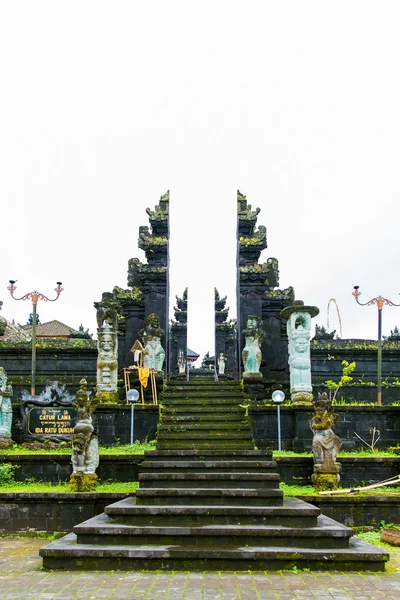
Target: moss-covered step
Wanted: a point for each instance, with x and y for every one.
(293, 513)
(102, 529)
(214, 454)
(212, 395)
(205, 444)
(203, 466)
(223, 387)
(222, 426)
(207, 419)
(176, 383)
(207, 436)
(66, 554)
(209, 496)
(205, 401)
(199, 409)
(206, 480)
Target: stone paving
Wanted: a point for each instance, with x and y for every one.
(22, 577)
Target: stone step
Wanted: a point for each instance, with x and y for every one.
(206, 480)
(214, 454)
(237, 417)
(65, 553)
(102, 529)
(200, 395)
(209, 436)
(294, 513)
(205, 445)
(201, 410)
(203, 466)
(197, 387)
(209, 497)
(176, 427)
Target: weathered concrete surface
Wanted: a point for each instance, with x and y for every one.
(22, 578)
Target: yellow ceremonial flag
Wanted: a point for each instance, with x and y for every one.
(144, 373)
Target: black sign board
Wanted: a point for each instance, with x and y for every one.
(51, 421)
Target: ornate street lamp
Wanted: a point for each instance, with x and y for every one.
(35, 296)
(379, 301)
(278, 397)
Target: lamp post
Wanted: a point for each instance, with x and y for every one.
(380, 301)
(132, 396)
(35, 296)
(278, 397)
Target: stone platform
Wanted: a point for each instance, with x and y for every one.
(208, 500)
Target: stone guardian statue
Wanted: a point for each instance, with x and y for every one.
(181, 362)
(251, 353)
(5, 411)
(298, 319)
(107, 348)
(221, 363)
(85, 445)
(151, 334)
(326, 445)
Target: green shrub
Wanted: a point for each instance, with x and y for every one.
(6, 473)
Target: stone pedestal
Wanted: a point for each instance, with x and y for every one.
(5, 411)
(107, 364)
(298, 319)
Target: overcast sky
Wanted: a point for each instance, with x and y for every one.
(106, 105)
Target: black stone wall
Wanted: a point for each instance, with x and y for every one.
(297, 435)
(60, 512)
(21, 512)
(55, 468)
(113, 423)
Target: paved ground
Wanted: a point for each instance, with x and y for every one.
(21, 577)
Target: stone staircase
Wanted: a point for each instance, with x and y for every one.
(208, 500)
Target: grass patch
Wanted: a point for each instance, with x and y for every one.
(136, 448)
(374, 537)
(127, 487)
(342, 454)
(292, 491)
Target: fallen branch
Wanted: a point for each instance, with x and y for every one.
(390, 481)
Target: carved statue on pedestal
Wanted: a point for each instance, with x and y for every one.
(181, 362)
(107, 347)
(221, 363)
(298, 319)
(251, 353)
(151, 334)
(85, 446)
(107, 363)
(326, 445)
(5, 411)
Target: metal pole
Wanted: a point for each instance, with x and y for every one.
(33, 379)
(132, 420)
(380, 306)
(278, 406)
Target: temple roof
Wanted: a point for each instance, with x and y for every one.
(192, 354)
(11, 331)
(51, 329)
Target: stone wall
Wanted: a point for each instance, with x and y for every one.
(113, 423)
(297, 435)
(51, 513)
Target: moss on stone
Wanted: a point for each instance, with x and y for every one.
(108, 398)
(83, 482)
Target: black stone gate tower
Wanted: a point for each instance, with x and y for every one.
(257, 294)
(225, 336)
(148, 284)
(178, 334)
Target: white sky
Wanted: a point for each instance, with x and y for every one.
(106, 105)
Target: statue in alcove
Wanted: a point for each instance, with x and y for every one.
(251, 353)
(151, 334)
